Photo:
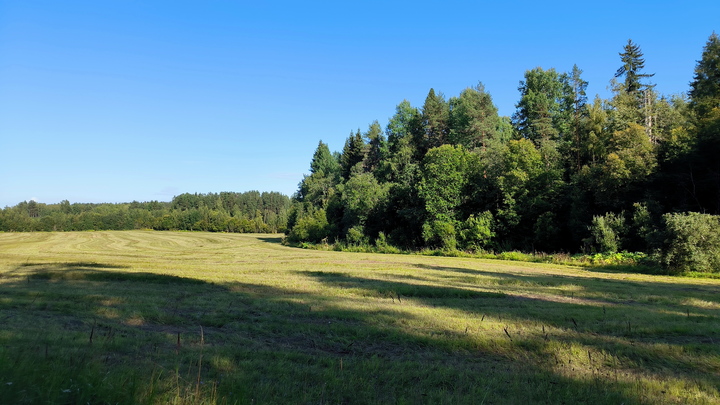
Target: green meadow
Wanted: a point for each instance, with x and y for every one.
(143, 317)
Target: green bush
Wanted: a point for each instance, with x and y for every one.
(476, 232)
(440, 234)
(605, 232)
(621, 258)
(692, 242)
(383, 246)
(356, 236)
(310, 228)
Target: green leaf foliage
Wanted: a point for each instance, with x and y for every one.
(606, 233)
(444, 177)
(323, 162)
(311, 226)
(692, 242)
(705, 88)
(251, 211)
(440, 234)
(557, 176)
(476, 232)
(474, 118)
(545, 110)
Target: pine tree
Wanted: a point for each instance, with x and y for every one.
(376, 146)
(634, 99)
(317, 188)
(633, 64)
(544, 109)
(352, 154)
(705, 88)
(435, 116)
(323, 161)
(579, 112)
(705, 102)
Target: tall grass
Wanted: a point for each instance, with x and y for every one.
(626, 261)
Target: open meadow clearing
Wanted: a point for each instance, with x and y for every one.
(179, 317)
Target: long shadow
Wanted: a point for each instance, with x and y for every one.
(667, 289)
(268, 344)
(631, 299)
(615, 328)
(274, 240)
(509, 296)
(92, 271)
(74, 265)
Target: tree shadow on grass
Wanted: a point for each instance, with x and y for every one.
(542, 296)
(635, 333)
(618, 300)
(92, 271)
(75, 265)
(597, 284)
(273, 240)
(264, 344)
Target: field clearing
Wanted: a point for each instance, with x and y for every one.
(181, 317)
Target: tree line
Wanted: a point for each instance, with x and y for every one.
(638, 171)
(248, 212)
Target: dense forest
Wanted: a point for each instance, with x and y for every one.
(224, 212)
(639, 171)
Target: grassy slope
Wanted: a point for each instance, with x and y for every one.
(96, 317)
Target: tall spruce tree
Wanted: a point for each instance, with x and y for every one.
(632, 66)
(376, 146)
(435, 117)
(705, 87)
(352, 154)
(705, 103)
(634, 99)
(316, 189)
(579, 114)
(323, 161)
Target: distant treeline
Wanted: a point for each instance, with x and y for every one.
(639, 171)
(247, 212)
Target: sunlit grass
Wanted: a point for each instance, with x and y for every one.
(157, 317)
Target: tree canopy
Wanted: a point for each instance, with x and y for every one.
(561, 174)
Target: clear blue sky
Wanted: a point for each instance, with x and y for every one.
(114, 101)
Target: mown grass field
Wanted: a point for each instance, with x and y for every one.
(167, 317)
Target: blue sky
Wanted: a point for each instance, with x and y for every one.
(114, 101)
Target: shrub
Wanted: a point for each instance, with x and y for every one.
(356, 236)
(476, 232)
(692, 242)
(440, 234)
(605, 232)
(383, 246)
(310, 228)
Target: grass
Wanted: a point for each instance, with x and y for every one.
(169, 317)
(636, 262)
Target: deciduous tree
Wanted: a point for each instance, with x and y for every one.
(474, 118)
